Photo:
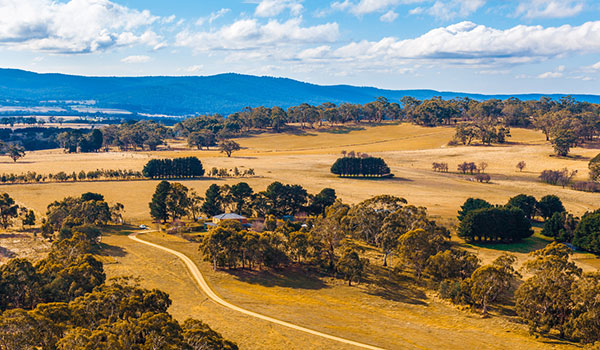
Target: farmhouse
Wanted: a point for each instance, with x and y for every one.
(229, 216)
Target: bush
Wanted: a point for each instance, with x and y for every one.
(558, 177)
(586, 186)
(483, 178)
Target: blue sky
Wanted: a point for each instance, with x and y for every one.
(488, 46)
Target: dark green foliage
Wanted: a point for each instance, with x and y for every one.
(470, 205)
(212, 201)
(587, 234)
(280, 199)
(549, 205)
(353, 166)
(351, 266)
(561, 226)
(524, 202)
(158, 205)
(89, 209)
(495, 224)
(8, 210)
(544, 300)
(188, 167)
(320, 201)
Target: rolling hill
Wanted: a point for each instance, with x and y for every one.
(223, 93)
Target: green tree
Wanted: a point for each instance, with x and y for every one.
(506, 224)
(213, 201)
(29, 218)
(159, 209)
(549, 205)
(8, 210)
(228, 147)
(470, 205)
(177, 201)
(199, 336)
(15, 152)
(351, 266)
(488, 282)
(563, 140)
(524, 202)
(451, 264)
(583, 324)
(587, 233)
(544, 300)
(417, 246)
(319, 202)
(561, 226)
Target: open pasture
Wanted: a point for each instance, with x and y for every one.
(395, 318)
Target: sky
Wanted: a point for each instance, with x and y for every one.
(485, 46)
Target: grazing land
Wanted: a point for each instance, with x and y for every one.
(399, 316)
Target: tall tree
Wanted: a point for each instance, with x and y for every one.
(8, 210)
(158, 206)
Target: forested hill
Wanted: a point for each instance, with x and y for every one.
(223, 93)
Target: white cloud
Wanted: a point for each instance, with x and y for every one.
(549, 8)
(550, 75)
(76, 26)
(271, 8)
(596, 66)
(216, 15)
(195, 68)
(250, 34)
(448, 10)
(469, 41)
(389, 16)
(136, 59)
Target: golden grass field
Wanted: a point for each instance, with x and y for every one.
(354, 312)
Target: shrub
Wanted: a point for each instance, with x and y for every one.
(483, 178)
(586, 186)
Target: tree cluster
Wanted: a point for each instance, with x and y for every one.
(178, 168)
(277, 199)
(559, 297)
(63, 303)
(74, 141)
(71, 212)
(142, 135)
(349, 166)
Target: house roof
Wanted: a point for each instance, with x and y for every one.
(229, 216)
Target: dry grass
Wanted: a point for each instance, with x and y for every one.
(305, 160)
(402, 317)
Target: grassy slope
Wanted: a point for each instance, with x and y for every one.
(399, 318)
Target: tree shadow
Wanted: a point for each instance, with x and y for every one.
(120, 230)
(7, 253)
(13, 235)
(392, 286)
(292, 277)
(342, 129)
(111, 250)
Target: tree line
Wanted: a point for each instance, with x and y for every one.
(187, 167)
(172, 201)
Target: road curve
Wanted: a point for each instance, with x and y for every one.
(214, 297)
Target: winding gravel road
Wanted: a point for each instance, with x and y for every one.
(214, 297)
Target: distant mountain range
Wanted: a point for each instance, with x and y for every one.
(223, 93)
